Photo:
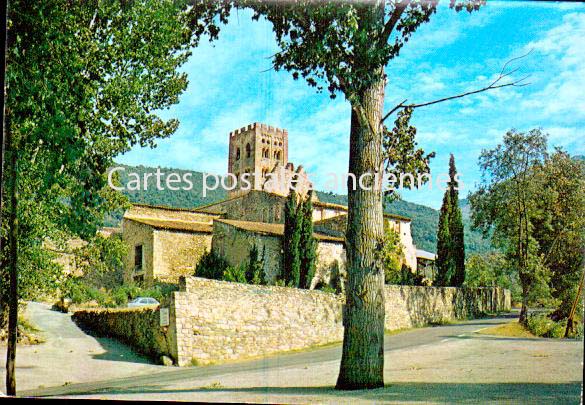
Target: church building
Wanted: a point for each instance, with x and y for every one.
(166, 243)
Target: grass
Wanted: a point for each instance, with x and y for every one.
(510, 329)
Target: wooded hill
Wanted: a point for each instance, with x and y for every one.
(424, 219)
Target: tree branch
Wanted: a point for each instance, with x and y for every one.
(393, 20)
(494, 85)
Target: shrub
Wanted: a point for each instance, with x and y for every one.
(557, 330)
(211, 266)
(542, 325)
(235, 274)
(539, 324)
(254, 268)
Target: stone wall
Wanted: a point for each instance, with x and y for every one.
(178, 253)
(330, 266)
(257, 206)
(410, 306)
(217, 321)
(234, 245)
(134, 234)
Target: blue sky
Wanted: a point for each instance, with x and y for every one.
(231, 85)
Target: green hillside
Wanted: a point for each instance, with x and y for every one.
(424, 219)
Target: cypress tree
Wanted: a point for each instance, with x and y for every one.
(443, 261)
(456, 229)
(307, 245)
(290, 241)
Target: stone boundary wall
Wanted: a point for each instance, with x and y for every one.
(137, 327)
(410, 306)
(215, 321)
(218, 321)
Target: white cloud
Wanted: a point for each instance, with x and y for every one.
(562, 50)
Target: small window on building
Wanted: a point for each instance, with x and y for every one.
(248, 150)
(238, 154)
(138, 257)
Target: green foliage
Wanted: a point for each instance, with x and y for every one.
(492, 269)
(101, 261)
(298, 243)
(291, 257)
(81, 292)
(450, 235)
(215, 267)
(456, 230)
(392, 257)
(235, 274)
(307, 243)
(542, 325)
(137, 327)
(506, 204)
(211, 266)
(560, 230)
(86, 81)
(444, 260)
(402, 157)
(255, 267)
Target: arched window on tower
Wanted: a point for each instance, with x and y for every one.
(248, 150)
(265, 153)
(277, 155)
(238, 154)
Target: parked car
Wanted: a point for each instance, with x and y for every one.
(143, 302)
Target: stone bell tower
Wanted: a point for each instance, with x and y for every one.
(257, 148)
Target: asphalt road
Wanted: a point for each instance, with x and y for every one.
(403, 340)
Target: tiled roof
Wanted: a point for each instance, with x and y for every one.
(272, 229)
(166, 207)
(423, 254)
(344, 208)
(174, 225)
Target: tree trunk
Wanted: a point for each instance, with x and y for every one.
(524, 310)
(12, 264)
(362, 362)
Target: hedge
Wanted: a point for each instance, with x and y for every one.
(137, 327)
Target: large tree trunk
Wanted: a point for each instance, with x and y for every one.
(362, 362)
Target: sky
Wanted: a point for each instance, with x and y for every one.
(231, 84)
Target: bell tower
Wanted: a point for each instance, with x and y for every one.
(257, 148)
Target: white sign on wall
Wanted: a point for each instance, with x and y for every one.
(164, 317)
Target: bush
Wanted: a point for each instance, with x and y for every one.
(235, 274)
(211, 266)
(79, 292)
(540, 324)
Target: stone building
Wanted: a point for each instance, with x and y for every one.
(166, 243)
(259, 153)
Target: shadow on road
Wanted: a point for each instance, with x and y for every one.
(401, 391)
